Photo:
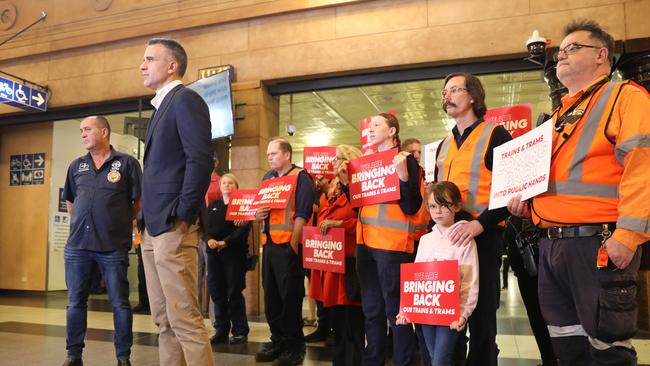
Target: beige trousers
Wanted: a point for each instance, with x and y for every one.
(171, 266)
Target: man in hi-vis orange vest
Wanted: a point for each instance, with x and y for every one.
(595, 212)
(465, 158)
(282, 272)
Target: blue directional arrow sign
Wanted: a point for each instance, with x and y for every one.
(22, 96)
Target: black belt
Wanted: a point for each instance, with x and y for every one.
(577, 231)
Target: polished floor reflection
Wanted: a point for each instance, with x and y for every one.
(32, 332)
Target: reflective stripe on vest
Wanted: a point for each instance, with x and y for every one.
(574, 185)
(287, 226)
(281, 232)
(633, 223)
(475, 167)
(382, 221)
(442, 156)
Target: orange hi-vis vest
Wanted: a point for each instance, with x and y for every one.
(466, 168)
(586, 169)
(385, 226)
(281, 220)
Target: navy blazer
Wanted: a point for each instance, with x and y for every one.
(177, 161)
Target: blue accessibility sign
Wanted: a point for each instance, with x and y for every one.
(19, 95)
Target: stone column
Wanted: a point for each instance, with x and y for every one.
(257, 121)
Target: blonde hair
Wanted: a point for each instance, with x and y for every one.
(349, 152)
(233, 177)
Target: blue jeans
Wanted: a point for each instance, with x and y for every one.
(440, 342)
(113, 266)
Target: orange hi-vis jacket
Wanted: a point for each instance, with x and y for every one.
(466, 168)
(281, 220)
(385, 226)
(601, 163)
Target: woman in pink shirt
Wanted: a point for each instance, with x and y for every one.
(445, 205)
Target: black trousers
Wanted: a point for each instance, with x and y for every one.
(579, 300)
(528, 290)
(349, 335)
(226, 281)
(482, 323)
(282, 278)
(143, 298)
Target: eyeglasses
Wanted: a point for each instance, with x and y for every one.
(452, 91)
(571, 48)
(339, 158)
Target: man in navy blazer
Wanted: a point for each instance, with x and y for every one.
(176, 175)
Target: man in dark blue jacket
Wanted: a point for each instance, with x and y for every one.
(102, 194)
(177, 166)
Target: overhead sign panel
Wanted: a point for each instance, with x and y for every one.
(22, 96)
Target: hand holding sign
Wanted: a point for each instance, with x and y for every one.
(459, 324)
(262, 213)
(327, 224)
(518, 207)
(399, 161)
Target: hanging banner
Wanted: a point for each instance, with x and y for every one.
(373, 179)
(517, 119)
(323, 252)
(241, 205)
(320, 161)
(521, 166)
(430, 160)
(429, 292)
(275, 193)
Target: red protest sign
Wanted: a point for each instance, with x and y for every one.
(323, 252)
(429, 292)
(240, 206)
(373, 179)
(517, 119)
(364, 127)
(275, 192)
(320, 161)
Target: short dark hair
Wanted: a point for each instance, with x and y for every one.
(283, 144)
(102, 122)
(409, 141)
(597, 33)
(178, 52)
(474, 89)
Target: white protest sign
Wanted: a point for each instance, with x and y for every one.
(521, 166)
(430, 160)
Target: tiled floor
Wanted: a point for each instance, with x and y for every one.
(32, 332)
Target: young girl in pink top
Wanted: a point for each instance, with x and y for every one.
(445, 204)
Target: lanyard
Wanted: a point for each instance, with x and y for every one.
(570, 116)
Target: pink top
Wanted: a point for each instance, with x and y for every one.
(435, 246)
